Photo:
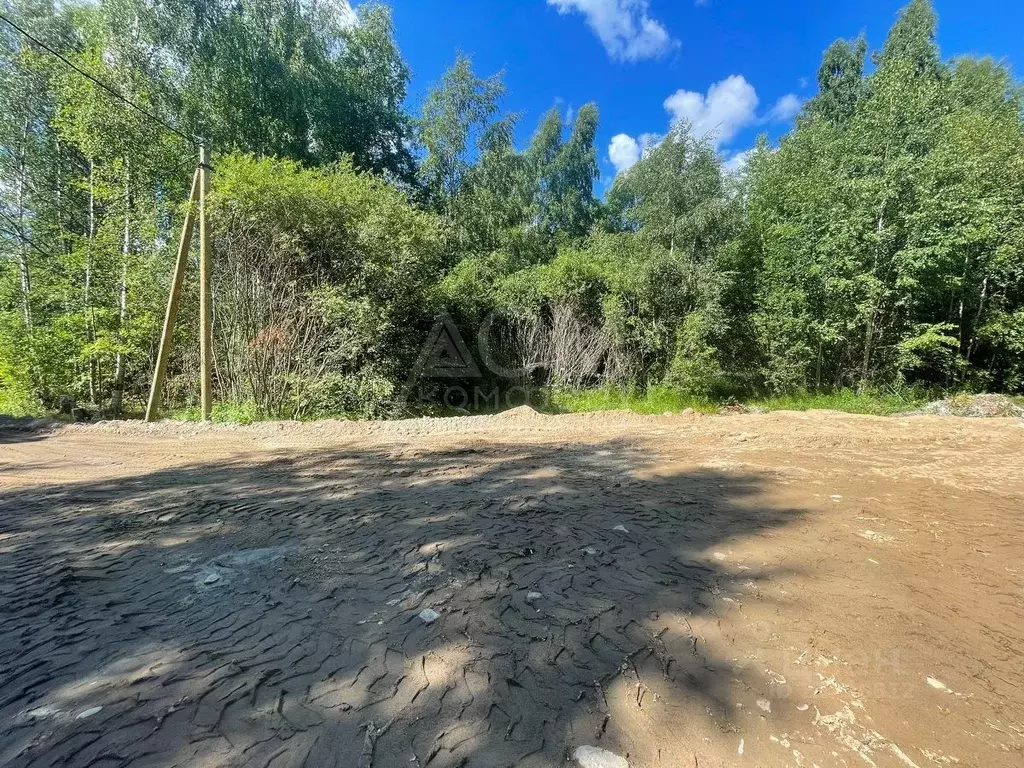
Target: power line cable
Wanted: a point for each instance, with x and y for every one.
(110, 89)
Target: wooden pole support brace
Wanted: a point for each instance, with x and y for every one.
(167, 336)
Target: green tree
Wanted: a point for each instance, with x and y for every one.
(881, 227)
(675, 195)
(566, 172)
(457, 115)
(840, 80)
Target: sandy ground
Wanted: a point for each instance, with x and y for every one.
(770, 590)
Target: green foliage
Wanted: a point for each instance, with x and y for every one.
(563, 173)
(492, 197)
(223, 413)
(456, 120)
(931, 349)
(695, 369)
(323, 274)
(92, 191)
(912, 41)
(869, 402)
(17, 397)
(886, 229)
(659, 400)
(878, 248)
(840, 81)
(675, 196)
(297, 80)
(653, 400)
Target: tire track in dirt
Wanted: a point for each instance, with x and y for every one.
(697, 592)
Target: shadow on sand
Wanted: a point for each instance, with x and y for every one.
(268, 611)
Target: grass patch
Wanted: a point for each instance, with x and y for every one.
(651, 400)
(847, 401)
(664, 399)
(222, 413)
(17, 403)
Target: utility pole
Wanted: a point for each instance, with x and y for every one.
(197, 200)
(205, 287)
(167, 337)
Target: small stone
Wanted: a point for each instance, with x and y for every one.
(719, 556)
(88, 713)
(429, 615)
(532, 597)
(687, 412)
(589, 551)
(668, 413)
(213, 578)
(43, 712)
(595, 757)
(621, 529)
(936, 684)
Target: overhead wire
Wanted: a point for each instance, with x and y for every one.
(194, 140)
(78, 217)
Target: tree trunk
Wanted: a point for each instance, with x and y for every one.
(23, 270)
(963, 301)
(821, 353)
(117, 396)
(90, 317)
(977, 321)
(869, 332)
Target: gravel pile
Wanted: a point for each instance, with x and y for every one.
(975, 406)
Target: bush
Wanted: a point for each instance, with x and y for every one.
(695, 369)
(323, 286)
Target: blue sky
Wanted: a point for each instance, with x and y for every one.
(740, 67)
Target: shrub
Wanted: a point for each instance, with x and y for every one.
(323, 286)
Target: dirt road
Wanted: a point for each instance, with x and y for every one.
(781, 589)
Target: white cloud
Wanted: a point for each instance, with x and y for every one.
(649, 141)
(625, 27)
(729, 106)
(736, 162)
(624, 152)
(340, 9)
(786, 108)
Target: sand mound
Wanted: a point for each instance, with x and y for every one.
(522, 413)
